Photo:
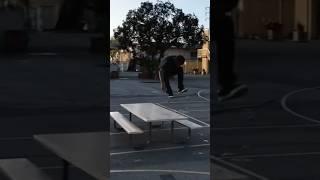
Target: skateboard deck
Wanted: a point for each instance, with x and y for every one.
(180, 95)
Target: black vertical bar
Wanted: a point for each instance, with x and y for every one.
(130, 138)
(65, 175)
(172, 128)
(150, 133)
(114, 124)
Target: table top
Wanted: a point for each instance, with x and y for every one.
(150, 112)
(86, 151)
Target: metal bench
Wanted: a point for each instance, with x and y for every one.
(126, 124)
(190, 125)
(21, 169)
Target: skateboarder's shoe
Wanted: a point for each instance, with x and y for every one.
(170, 96)
(182, 90)
(235, 91)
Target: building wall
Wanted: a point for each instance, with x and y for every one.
(307, 13)
(189, 66)
(44, 13)
(254, 14)
(287, 16)
(301, 13)
(315, 19)
(204, 53)
(186, 53)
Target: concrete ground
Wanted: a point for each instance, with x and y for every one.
(164, 158)
(50, 89)
(273, 132)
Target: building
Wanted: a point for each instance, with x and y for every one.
(204, 53)
(44, 14)
(253, 15)
(119, 56)
(41, 15)
(37, 14)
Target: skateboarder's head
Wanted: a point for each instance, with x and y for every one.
(180, 60)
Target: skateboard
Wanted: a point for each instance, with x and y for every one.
(180, 95)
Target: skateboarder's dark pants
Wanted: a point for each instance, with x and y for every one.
(167, 76)
(225, 51)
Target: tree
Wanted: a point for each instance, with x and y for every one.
(154, 28)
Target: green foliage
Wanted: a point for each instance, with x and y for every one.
(154, 28)
(149, 65)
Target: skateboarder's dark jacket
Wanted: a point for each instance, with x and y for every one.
(170, 65)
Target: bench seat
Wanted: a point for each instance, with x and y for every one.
(189, 124)
(21, 169)
(128, 126)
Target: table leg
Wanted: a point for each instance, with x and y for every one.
(130, 138)
(115, 125)
(172, 128)
(65, 175)
(150, 133)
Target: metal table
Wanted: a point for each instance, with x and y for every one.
(150, 112)
(86, 151)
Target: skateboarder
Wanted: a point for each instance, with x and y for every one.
(225, 44)
(169, 67)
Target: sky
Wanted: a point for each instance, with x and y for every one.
(120, 8)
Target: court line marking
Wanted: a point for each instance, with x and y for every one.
(159, 149)
(199, 95)
(290, 111)
(184, 114)
(238, 168)
(160, 170)
(272, 155)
